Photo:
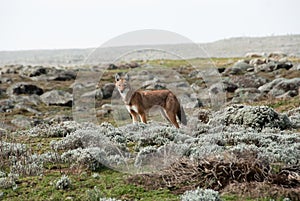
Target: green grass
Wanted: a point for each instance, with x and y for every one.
(110, 184)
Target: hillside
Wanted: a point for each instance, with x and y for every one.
(233, 47)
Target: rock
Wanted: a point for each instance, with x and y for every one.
(284, 65)
(268, 86)
(64, 76)
(96, 94)
(107, 90)
(2, 92)
(10, 69)
(148, 83)
(277, 55)
(21, 122)
(280, 86)
(239, 67)
(24, 88)
(247, 95)
(296, 67)
(254, 55)
(229, 86)
(248, 81)
(50, 74)
(267, 67)
(257, 61)
(134, 65)
(221, 69)
(257, 117)
(27, 100)
(27, 108)
(180, 85)
(33, 71)
(190, 101)
(4, 80)
(196, 74)
(6, 105)
(57, 97)
(112, 67)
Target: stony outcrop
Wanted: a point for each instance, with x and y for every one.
(57, 97)
(23, 88)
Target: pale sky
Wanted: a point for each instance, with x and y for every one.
(56, 24)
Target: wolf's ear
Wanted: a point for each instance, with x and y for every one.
(117, 77)
(126, 77)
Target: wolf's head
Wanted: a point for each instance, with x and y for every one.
(122, 83)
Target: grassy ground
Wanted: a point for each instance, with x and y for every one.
(104, 182)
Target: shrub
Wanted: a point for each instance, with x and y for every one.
(201, 195)
(9, 181)
(63, 183)
(96, 195)
(27, 165)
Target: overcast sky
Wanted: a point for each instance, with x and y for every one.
(56, 24)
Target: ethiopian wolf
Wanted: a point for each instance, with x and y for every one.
(139, 102)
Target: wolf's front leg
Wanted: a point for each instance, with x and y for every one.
(134, 117)
(143, 117)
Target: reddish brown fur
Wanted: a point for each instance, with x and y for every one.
(139, 102)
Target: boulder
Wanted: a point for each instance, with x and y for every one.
(280, 86)
(190, 101)
(107, 90)
(24, 88)
(27, 100)
(257, 61)
(284, 65)
(64, 76)
(57, 97)
(49, 74)
(112, 67)
(27, 108)
(248, 81)
(277, 55)
(10, 69)
(229, 86)
(95, 94)
(257, 117)
(6, 105)
(33, 71)
(2, 92)
(239, 67)
(22, 122)
(254, 54)
(247, 95)
(296, 67)
(4, 80)
(266, 67)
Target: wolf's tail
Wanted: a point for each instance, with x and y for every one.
(181, 115)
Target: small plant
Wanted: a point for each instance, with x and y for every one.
(96, 195)
(63, 183)
(201, 195)
(9, 181)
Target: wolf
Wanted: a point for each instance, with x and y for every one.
(139, 102)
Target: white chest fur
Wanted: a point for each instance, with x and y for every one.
(133, 108)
